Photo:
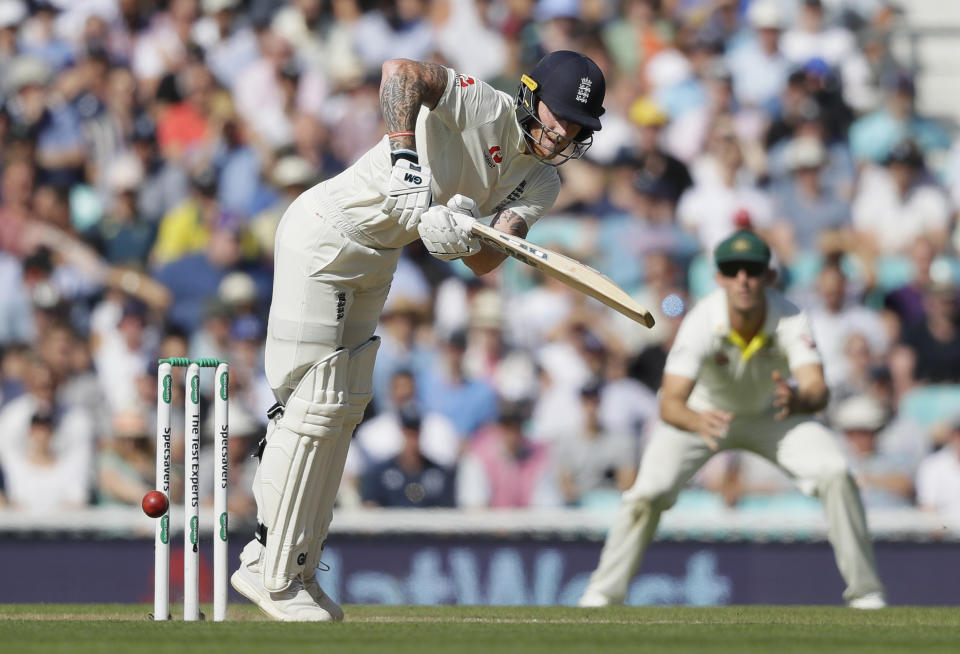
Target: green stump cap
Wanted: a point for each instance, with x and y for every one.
(742, 246)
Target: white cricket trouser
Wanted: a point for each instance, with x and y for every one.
(328, 292)
(803, 448)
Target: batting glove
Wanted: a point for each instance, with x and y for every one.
(408, 194)
(446, 233)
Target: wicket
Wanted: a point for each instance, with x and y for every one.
(191, 501)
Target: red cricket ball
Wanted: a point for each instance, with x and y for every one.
(155, 504)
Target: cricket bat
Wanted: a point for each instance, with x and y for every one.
(569, 271)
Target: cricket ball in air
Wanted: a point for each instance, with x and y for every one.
(155, 504)
(672, 305)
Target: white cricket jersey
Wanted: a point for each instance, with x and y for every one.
(730, 378)
(473, 145)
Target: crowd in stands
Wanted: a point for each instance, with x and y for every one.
(149, 148)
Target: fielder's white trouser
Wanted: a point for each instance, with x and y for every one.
(803, 448)
(328, 292)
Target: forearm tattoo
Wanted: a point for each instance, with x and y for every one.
(401, 94)
(510, 222)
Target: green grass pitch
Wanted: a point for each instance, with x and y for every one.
(124, 629)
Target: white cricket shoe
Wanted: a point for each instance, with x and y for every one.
(322, 599)
(594, 601)
(868, 602)
(294, 604)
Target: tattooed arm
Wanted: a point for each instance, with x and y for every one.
(488, 258)
(405, 86)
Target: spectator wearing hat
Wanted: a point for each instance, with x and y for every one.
(759, 68)
(811, 208)
(885, 478)
(122, 236)
(503, 469)
(54, 128)
(403, 345)
(229, 44)
(938, 477)
(126, 462)
(593, 464)
(38, 37)
(898, 203)
(645, 160)
(837, 171)
(291, 175)
(874, 136)
(410, 478)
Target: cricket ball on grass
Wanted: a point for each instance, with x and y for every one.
(155, 504)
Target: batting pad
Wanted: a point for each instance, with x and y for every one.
(297, 461)
(360, 384)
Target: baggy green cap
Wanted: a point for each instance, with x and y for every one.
(742, 246)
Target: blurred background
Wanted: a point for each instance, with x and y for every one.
(149, 148)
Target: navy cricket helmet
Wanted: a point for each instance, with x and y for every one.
(572, 86)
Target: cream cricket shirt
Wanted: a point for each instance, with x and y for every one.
(735, 376)
(473, 146)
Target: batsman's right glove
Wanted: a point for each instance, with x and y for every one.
(445, 231)
(408, 194)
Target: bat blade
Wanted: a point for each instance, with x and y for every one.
(569, 271)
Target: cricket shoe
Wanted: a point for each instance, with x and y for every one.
(594, 601)
(294, 604)
(868, 602)
(323, 600)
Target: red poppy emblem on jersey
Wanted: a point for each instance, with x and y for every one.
(721, 358)
(463, 80)
(495, 153)
(806, 340)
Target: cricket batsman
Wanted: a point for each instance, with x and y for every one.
(455, 150)
(725, 386)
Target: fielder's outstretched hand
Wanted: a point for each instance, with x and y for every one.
(408, 194)
(784, 396)
(445, 231)
(714, 425)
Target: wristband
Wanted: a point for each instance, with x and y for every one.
(393, 135)
(409, 155)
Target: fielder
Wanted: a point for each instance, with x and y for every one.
(451, 139)
(724, 387)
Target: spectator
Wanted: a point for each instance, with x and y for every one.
(812, 209)
(835, 318)
(39, 479)
(938, 477)
(933, 345)
(759, 68)
(812, 37)
(468, 402)
(502, 469)
(874, 136)
(898, 203)
(885, 477)
(409, 479)
(593, 465)
(126, 463)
